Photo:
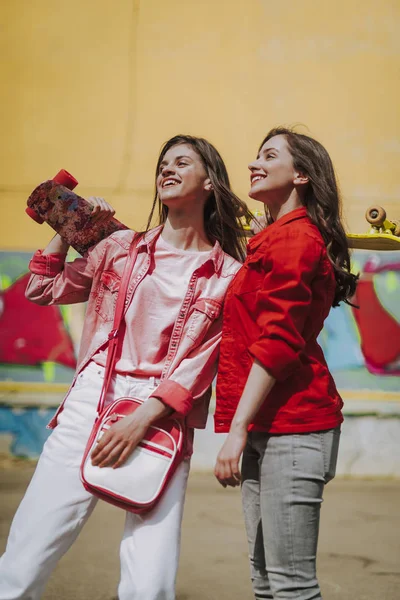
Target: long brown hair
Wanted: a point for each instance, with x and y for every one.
(323, 203)
(222, 209)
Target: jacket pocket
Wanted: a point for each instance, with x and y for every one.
(204, 312)
(106, 297)
(250, 277)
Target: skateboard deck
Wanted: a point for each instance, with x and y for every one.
(373, 241)
(68, 214)
(383, 234)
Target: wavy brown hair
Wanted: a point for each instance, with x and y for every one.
(223, 208)
(323, 203)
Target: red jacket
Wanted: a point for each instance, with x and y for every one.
(274, 310)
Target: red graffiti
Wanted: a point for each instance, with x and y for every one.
(31, 334)
(379, 331)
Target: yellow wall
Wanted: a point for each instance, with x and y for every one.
(96, 87)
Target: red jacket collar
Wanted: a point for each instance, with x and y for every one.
(293, 215)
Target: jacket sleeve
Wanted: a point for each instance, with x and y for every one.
(54, 281)
(193, 376)
(283, 302)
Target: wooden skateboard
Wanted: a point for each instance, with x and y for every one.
(383, 235)
(67, 213)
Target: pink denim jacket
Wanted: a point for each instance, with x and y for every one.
(191, 360)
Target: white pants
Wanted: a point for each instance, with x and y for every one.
(56, 506)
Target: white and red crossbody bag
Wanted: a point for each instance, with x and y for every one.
(138, 484)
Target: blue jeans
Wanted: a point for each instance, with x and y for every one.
(283, 479)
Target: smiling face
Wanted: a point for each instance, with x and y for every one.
(182, 178)
(273, 175)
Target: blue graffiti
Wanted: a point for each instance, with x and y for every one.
(27, 426)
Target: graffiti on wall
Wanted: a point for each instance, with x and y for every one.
(23, 430)
(32, 334)
(365, 338)
(362, 345)
(39, 344)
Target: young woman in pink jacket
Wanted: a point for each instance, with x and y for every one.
(168, 357)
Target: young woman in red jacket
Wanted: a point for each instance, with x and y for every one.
(275, 395)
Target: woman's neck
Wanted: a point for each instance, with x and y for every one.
(186, 232)
(281, 208)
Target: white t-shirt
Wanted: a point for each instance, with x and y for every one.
(154, 308)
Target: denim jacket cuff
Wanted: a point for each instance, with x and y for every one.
(176, 396)
(47, 264)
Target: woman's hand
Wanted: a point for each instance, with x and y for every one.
(258, 385)
(227, 466)
(102, 211)
(118, 443)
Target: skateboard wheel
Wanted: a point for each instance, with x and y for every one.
(375, 215)
(33, 215)
(66, 179)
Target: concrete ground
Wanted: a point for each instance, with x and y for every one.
(359, 553)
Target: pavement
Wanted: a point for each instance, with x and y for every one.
(358, 559)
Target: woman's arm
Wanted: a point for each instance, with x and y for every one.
(121, 439)
(283, 302)
(191, 378)
(283, 305)
(258, 385)
(53, 281)
(56, 246)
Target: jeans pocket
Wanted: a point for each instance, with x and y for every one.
(330, 448)
(79, 382)
(88, 377)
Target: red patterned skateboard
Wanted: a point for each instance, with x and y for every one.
(67, 213)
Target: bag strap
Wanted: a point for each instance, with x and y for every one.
(114, 335)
